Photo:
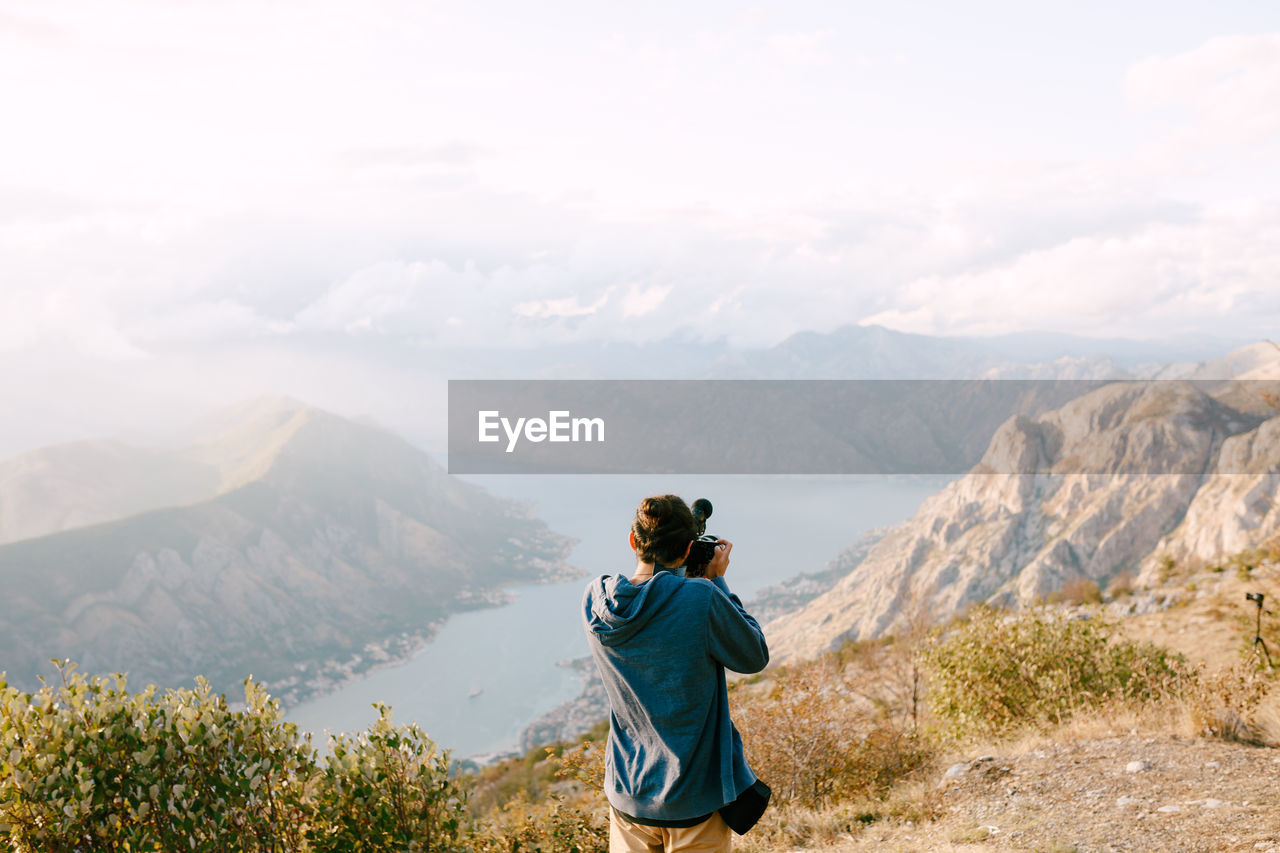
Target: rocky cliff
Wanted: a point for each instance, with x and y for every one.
(1236, 508)
(1124, 474)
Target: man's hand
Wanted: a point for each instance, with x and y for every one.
(720, 562)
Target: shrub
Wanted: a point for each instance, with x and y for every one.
(550, 826)
(1080, 591)
(87, 765)
(1120, 586)
(812, 739)
(998, 672)
(583, 763)
(1221, 703)
(386, 789)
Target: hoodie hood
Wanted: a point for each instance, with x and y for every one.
(615, 609)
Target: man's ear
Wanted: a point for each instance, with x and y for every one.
(631, 539)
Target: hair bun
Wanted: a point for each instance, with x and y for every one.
(663, 528)
(657, 507)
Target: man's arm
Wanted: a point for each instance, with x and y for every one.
(734, 638)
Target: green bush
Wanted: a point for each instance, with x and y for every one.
(386, 789)
(998, 672)
(86, 765)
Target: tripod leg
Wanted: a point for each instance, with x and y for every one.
(1258, 641)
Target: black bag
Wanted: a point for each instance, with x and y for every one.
(743, 812)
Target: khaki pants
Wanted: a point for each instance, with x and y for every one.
(711, 836)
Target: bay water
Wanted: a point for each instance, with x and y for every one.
(489, 673)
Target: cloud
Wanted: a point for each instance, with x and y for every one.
(385, 178)
(393, 298)
(1229, 85)
(1054, 249)
(451, 154)
(564, 307)
(211, 321)
(22, 27)
(640, 301)
(1158, 280)
(63, 321)
(803, 48)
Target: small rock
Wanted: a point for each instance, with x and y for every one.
(1137, 767)
(1213, 764)
(956, 770)
(1211, 803)
(1126, 800)
(1169, 809)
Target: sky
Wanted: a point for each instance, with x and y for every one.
(206, 199)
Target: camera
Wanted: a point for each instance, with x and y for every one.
(1255, 596)
(704, 547)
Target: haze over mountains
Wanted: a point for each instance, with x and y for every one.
(289, 543)
(402, 381)
(849, 352)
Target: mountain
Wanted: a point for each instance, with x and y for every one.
(1130, 471)
(1256, 361)
(1236, 509)
(86, 482)
(860, 352)
(874, 352)
(318, 540)
(65, 486)
(847, 352)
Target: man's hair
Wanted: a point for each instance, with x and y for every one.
(663, 528)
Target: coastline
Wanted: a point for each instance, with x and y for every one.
(569, 719)
(318, 679)
(334, 675)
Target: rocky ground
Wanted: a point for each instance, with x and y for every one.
(1112, 793)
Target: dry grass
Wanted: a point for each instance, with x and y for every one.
(795, 827)
(1214, 624)
(1267, 718)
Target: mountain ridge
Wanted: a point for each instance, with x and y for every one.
(347, 536)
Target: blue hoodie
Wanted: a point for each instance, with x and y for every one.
(662, 647)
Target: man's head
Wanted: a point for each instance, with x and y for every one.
(663, 530)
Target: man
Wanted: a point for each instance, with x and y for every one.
(662, 643)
